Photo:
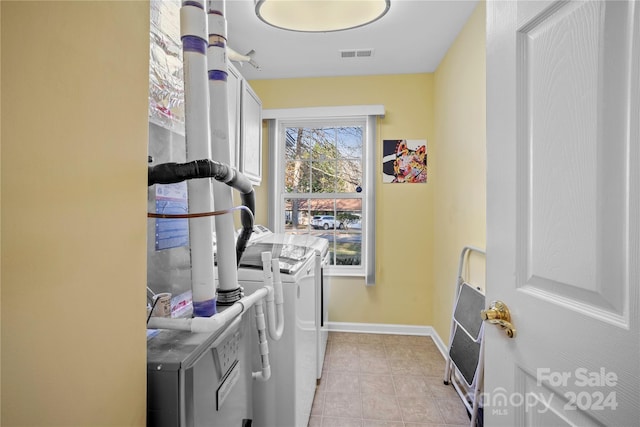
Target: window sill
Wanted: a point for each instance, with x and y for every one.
(344, 272)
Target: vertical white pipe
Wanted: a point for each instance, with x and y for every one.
(276, 310)
(219, 130)
(263, 346)
(193, 29)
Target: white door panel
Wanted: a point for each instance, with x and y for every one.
(563, 219)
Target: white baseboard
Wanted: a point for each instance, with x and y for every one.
(380, 328)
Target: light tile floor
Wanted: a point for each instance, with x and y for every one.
(374, 380)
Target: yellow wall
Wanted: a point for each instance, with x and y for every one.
(74, 112)
(421, 229)
(0, 210)
(73, 251)
(404, 231)
(460, 165)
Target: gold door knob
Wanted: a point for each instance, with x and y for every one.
(498, 314)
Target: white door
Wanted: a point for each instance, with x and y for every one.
(563, 197)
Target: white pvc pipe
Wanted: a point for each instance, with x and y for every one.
(269, 269)
(219, 131)
(238, 57)
(209, 324)
(219, 320)
(193, 31)
(276, 320)
(263, 346)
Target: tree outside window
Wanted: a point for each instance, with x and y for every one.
(323, 187)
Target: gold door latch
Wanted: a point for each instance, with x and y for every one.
(498, 314)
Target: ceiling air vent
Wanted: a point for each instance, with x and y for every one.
(356, 53)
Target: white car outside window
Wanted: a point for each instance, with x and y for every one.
(326, 222)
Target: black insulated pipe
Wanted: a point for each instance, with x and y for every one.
(171, 173)
(248, 200)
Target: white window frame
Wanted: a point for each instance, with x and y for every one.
(367, 115)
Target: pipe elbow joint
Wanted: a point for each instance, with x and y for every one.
(206, 324)
(263, 375)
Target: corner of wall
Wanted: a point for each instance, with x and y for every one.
(0, 204)
(74, 233)
(407, 209)
(460, 169)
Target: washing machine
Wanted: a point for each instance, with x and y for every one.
(286, 398)
(322, 283)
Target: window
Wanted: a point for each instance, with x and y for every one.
(321, 183)
(322, 192)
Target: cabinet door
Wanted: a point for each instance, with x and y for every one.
(233, 100)
(251, 135)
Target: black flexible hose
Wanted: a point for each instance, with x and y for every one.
(246, 219)
(171, 173)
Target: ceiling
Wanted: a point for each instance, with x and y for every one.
(412, 37)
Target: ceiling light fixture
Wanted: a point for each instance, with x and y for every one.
(320, 16)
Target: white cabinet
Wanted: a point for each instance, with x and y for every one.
(251, 134)
(245, 128)
(234, 80)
